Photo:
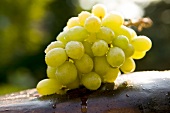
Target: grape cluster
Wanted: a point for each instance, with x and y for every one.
(93, 48)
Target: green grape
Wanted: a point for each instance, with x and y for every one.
(133, 33)
(123, 30)
(85, 64)
(91, 38)
(92, 24)
(66, 73)
(113, 20)
(73, 21)
(115, 57)
(111, 75)
(55, 57)
(54, 44)
(75, 84)
(121, 41)
(91, 49)
(48, 86)
(76, 33)
(79, 74)
(61, 37)
(91, 81)
(128, 66)
(87, 48)
(141, 43)
(74, 49)
(83, 16)
(129, 51)
(99, 10)
(101, 65)
(99, 48)
(51, 72)
(106, 34)
(138, 54)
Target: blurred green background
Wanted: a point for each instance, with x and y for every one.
(28, 26)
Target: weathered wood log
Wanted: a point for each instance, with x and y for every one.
(138, 92)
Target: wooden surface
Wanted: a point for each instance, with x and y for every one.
(139, 92)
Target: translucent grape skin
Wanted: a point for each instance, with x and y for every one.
(99, 48)
(111, 75)
(61, 37)
(123, 30)
(85, 64)
(48, 86)
(141, 43)
(106, 34)
(99, 10)
(121, 41)
(66, 73)
(138, 54)
(51, 72)
(73, 21)
(92, 24)
(129, 51)
(76, 33)
(128, 66)
(87, 48)
(101, 65)
(133, 33)
(54, 44)
(55, 57)
(91, 81)
(83, 16)
(74, 49)
(115, 57)
(91, 38)
(113, 20)
(75, 84)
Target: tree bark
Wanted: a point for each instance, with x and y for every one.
(138, 92)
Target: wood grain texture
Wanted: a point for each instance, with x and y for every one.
(138, 92)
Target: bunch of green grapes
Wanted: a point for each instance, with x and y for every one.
(93, 48)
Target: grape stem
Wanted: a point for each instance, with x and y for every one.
(141, 23)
